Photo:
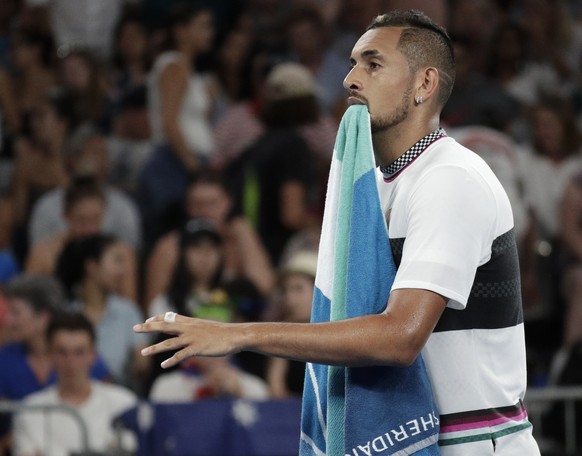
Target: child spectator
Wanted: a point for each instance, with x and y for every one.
(296, 282)
(244, 254)
(196, 290)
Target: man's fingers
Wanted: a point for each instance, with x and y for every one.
(177, 358)
(156, 324)
(174, 343)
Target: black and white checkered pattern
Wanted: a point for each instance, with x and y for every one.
(394, 168)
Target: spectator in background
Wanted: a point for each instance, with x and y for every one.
(81, 73)
(87, 155)
(241, 124)
(556, 39)
(267, 19)
(509, 63)
(81, 23)
(180, 102)
(197, 286)
(131, 61)
(25, 367)
(207, 378)
(9, 265)
(245, 256)
(233, 53)
(548, 163)
(472, 22)
(197, 289)
(130, 142)
(477, 99)
(40, 160)
(91, 268)
(274, 180)
(71, 348)
(308, 38)
(10, 119)
(296, 282)
(571, 284)
(33, 59)
(83, 210)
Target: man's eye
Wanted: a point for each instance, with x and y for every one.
(374, 65)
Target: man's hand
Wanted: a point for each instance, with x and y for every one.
(192, 337)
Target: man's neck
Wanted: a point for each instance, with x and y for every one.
(75, 391)
(390, 144)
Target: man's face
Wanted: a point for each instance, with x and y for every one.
(85, 218)
(72, 353)
(209, 201)
(93, 158)
(25, 323)
(380, 78)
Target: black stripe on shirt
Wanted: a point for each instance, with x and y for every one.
(495, 297)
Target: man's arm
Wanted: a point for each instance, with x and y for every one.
(393, 337)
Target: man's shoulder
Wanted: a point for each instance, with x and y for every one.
(119, 198)
(45, 396)
(10, 353)
(50, 200)
(449, 153)
(122, 306)
(114, 394)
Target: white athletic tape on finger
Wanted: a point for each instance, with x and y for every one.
(170, 317)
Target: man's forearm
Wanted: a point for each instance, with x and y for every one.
(394, 337)
(354, 342)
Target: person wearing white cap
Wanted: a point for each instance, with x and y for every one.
(296, 284)
(274, 178)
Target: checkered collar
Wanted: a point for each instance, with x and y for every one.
(390, 171)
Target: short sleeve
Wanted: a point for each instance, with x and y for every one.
(451, 218)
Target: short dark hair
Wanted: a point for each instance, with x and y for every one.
(81, 188)
(70, 321)
(71, 262)
(291, 112)
(65, 103)
(41, 40)
(184, 11)
(207, 176)
(306, 14)
(423, 42)
(41, 293)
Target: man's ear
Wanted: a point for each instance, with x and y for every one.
(427, 83)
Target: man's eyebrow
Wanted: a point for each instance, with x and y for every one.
(367, 54)
(371, 53)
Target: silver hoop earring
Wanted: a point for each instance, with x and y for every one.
(418, 100)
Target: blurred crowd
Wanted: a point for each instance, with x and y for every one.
(162, 155)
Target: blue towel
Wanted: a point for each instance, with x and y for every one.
(378, 410)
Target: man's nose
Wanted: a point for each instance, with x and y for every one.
(351, 82)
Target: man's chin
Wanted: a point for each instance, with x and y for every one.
(355, 101)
